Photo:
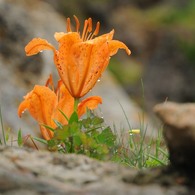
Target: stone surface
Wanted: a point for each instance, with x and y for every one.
(179, 132)
(24, 171)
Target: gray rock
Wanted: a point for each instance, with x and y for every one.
(24, 171)
(179, 132)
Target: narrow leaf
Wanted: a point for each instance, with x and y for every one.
(20, 140)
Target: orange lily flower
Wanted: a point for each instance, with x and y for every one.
(81, 58)
(44, 104)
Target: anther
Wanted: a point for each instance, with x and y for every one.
(89, 25)
(97, 29)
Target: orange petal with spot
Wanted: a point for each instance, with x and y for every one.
(36, 45)
(40, 102)
(90, 103)
(65, 63)
(81, 55)
(99, 59)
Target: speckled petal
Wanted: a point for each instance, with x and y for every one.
(40, 102)
(65, 63)
(36, 45)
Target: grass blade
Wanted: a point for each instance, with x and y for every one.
(3, 131)
(40, 140)
(20, 140)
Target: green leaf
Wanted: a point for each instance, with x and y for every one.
(97, 120)
(48, 127)
(74, 129)
(20, 140)
(7, 134)
(77, 141)
(63, 115)
(58, 124)
(74, 118)
(62, 134)
(86, 122)
(106, 137)
(52, 145)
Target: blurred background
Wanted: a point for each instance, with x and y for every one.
(160, 34)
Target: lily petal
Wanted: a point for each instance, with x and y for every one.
(65, 104)
(90, 103)
(40, 102)
(99, 59)
(115, 45)
(66, 67)
(46, 133)
(36, 45)
(80, 55)
(59, 35)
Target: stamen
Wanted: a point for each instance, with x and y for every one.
(95, 33)
(57, 92)
(49, 82)
(68, 25)
(87, 35)
(84, 29)
(77, 23)
(89, 25)
(89, 29)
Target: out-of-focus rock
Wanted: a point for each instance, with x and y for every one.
(31, 172)
(179, 133)
(165, 51)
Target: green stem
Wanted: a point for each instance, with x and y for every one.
(76, 102)
(71, 144)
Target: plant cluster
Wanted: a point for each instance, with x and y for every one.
(66, 117)
(80, 60)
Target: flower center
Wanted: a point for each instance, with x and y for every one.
(87, 29)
